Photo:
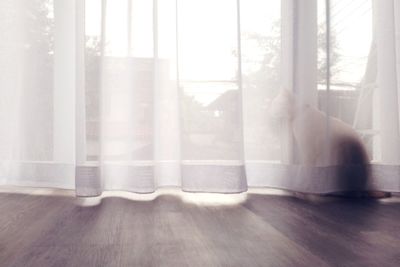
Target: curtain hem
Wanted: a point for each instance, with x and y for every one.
(207, 178)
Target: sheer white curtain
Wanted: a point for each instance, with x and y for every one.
(163, 97)
(33, 124)
(208, 95)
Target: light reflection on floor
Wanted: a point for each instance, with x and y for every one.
(201, 199)
(207, 199)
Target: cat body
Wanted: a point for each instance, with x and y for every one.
(325, 141)
(317, 144)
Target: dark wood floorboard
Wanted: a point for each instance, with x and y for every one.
(264, 230)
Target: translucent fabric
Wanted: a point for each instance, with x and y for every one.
(211, 96)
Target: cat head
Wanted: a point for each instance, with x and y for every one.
(282, 106)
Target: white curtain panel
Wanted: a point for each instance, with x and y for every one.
(208, 96)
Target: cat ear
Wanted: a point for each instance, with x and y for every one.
(288, 94)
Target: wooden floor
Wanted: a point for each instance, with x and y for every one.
(169, 230)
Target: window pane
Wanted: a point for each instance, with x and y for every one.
(207, 39)
(261, 49)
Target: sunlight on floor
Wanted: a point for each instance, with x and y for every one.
(202, 199)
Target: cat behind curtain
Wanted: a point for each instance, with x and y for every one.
(316, 146)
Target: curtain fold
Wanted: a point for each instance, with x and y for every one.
(202, 95)
(386, 34)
